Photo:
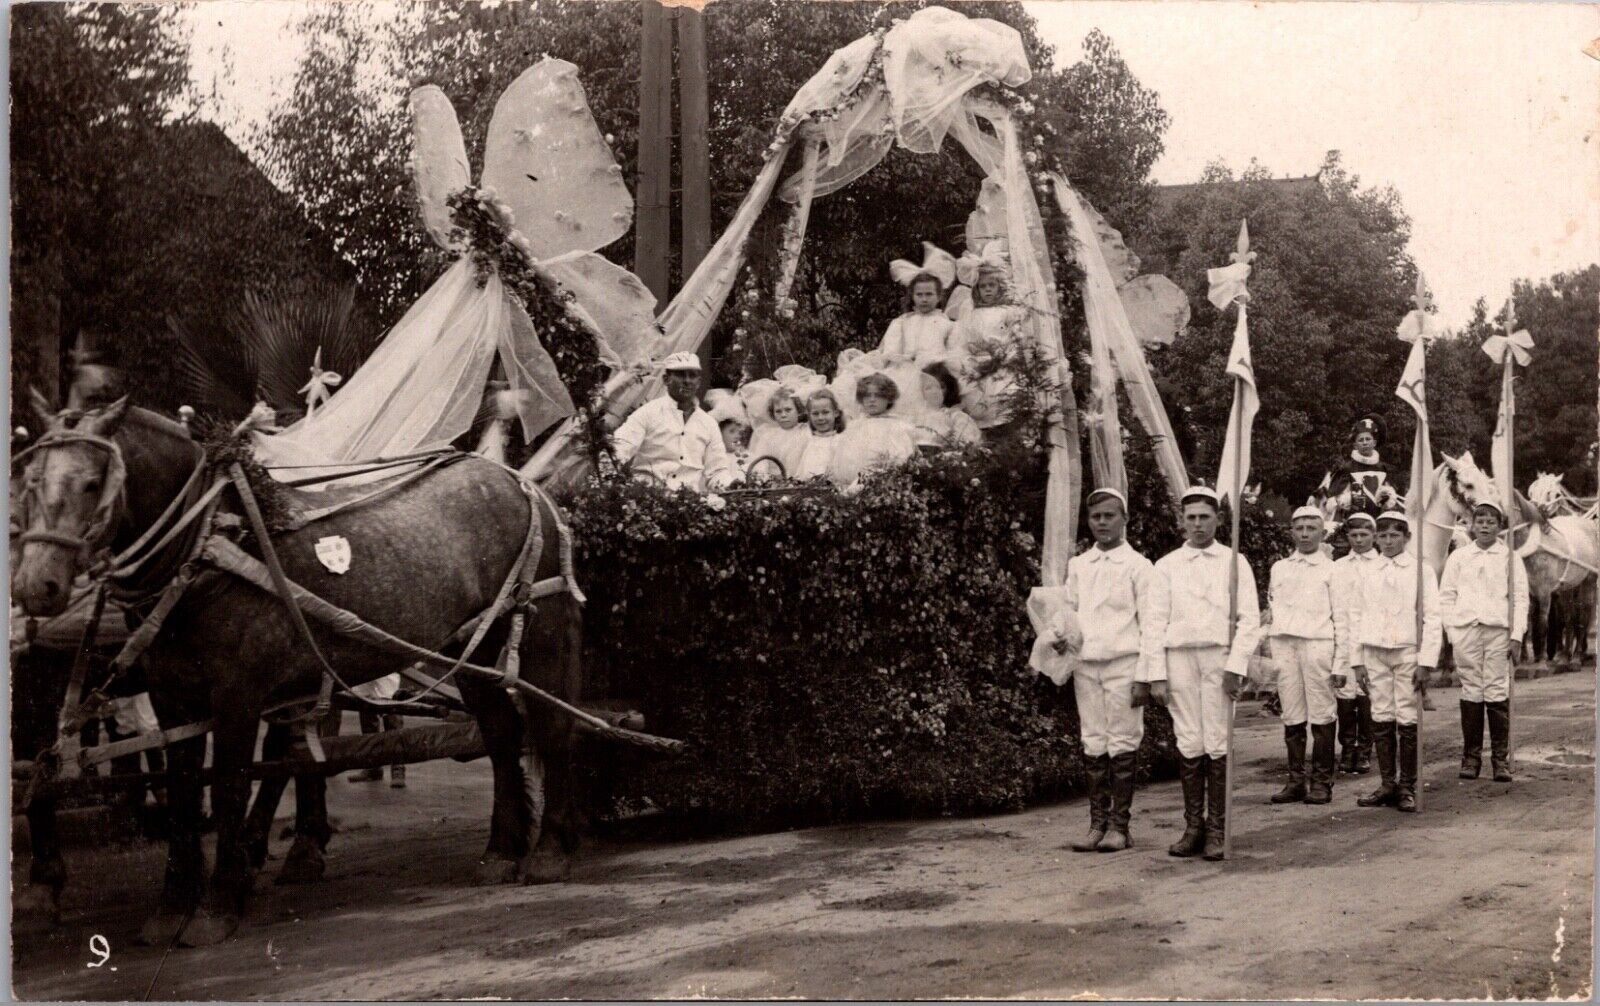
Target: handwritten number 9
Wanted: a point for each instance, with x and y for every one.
(98, 945)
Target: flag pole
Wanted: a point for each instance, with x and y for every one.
(1508, 404)
(1236, 491)
(1419, 491)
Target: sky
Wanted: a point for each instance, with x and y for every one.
(1482, 116)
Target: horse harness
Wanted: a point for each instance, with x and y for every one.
(184, 536)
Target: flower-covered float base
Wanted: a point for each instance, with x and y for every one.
(831, 655)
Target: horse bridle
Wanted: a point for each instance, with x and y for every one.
(108, 511)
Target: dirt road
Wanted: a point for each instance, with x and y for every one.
(1485, 894)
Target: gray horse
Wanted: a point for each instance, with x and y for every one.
(426, 558)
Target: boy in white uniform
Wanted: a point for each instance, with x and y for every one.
(1392, 663)
(1308, 641)
(1114, 591)
(1355, 706)
(1204, 674)
(1473, 597)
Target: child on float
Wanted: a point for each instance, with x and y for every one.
(922, 334)
(986, 334)
(943, 425)
(875, 439)
(786, 436)
(824, 421)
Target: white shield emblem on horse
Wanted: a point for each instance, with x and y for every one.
(334, 553)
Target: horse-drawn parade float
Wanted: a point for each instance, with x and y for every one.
(427, 539)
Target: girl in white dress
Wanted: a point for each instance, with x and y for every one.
(875, 439)
(988, 332)
(825, 420)
(784, 438)
(943, 425)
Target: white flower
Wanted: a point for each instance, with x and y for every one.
(852, 489)
(487, 194)
(752, 295)
(738, 333)
(1032, 157)
(715, 502)
(610, 138)
(521, 242)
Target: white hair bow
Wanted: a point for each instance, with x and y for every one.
(935, 261)
(995, 255)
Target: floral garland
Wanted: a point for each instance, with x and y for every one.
(486, 227)
(871, 78)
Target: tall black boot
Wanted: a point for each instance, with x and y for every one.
(1349, 735)
(1099, 803)
(1387, 793)
(1367, 733)
(1407, 800)
(1118, 837)
(1294, 740)
(1499, 738)
(1216, 809)
(1471, 739)
(1192, 773)
(1320, 787)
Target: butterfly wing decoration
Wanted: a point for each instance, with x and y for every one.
(545, 157)
(439, 159)
(621, 309)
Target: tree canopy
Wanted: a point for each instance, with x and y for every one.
(339, 143)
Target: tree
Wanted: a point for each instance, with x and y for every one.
(1331, 284)
(91, 84)
(339, 143)
(1556, 417)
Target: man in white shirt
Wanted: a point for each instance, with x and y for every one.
(1485, 630)
(1114, 592)
(1308, 640)
(1355, 705)
(672, 437)
(1392, 662)
(1206, 665)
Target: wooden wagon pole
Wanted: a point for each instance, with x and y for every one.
(653, 223)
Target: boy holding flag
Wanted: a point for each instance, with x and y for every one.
(1478, 602)
(1392, 662)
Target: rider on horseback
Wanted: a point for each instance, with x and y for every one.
(1363, 476)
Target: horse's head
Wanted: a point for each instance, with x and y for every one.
(1547, 493)
(69, 504)
(1466, 483)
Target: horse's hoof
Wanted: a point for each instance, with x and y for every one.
(304, 864)
(35, 909)
(546, 868)
(207, 929)
(160, 930)
(494, 870)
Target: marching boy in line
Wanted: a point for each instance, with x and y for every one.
(1355, 706)
(1392, 663)
(1114, 591)
(1473, 597)
(1308, 642)
(1204, 675)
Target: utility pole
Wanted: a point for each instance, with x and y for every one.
(694, 152)
(653, 219)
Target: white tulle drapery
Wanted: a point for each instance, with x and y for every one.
(1109, 326)
(557, 188)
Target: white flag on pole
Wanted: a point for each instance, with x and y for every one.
(1235, 468)
(1413, 390)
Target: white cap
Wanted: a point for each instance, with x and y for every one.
(1490, 503)
(681, 361)
(1306, 511)
(1397, 516)
(1201, 493)
(1095, 494)
(1360, 515)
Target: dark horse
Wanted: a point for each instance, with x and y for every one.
(426, 558)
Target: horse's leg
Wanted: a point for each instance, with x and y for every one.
(305, 862)
(513, 820)
(269, 793)
(186, 866)
(36, 696)
(233, 743)
(554, 736)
